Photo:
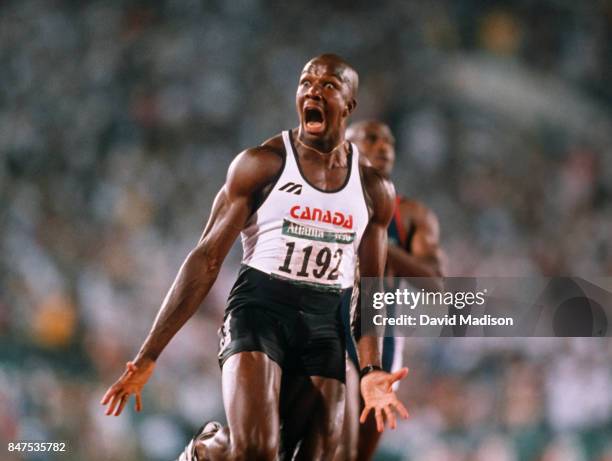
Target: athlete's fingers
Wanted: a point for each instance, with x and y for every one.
(401, 409)
(106, 396)
(131, 367)
(380, 424)
(113, 403)
(109, 393)
(390, 415)
(138, 402)
(123, 401)
(364, 414)
(121, 404)
(399, 374)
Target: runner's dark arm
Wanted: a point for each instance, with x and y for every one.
(426, 258)
(248, 175)
(380, 195)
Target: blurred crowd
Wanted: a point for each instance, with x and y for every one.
(118, 121)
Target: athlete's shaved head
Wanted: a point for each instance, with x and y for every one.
(340, 68)
(325, 98)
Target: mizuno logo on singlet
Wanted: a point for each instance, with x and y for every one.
(292, 188)
(325, 216)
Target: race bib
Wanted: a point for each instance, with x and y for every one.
(314, 255)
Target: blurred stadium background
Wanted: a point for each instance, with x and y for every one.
(118, 121)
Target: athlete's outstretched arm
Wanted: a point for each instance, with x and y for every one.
(248, 174)
(376, 387)
(425, 260)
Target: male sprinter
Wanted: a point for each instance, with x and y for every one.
(305, 213)
(413, 251)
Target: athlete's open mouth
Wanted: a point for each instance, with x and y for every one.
(314, 119)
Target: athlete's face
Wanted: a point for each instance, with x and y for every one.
(324, 98)
(377, 143)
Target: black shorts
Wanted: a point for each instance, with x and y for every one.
(299, 327)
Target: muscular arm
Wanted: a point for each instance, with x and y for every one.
(248, 174)
(377, 386)
(372, 252)
(425, 259)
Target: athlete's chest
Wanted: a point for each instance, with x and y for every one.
(324, 177)
(297, 201)
(309, 227)
(309, 193)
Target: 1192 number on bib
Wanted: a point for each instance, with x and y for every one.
(326, 262)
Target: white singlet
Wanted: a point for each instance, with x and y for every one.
(304, 234)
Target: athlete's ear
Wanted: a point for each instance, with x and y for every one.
(350, 107)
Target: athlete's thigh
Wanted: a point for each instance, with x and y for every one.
(296, 401)
(251, 387)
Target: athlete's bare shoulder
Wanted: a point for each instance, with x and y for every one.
(256, 167)
(416, 213)
(379, 192)
(415, 210)
(275, 144)
(412, 207)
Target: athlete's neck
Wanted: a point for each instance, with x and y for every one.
(321, 146)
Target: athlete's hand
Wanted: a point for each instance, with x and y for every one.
(130, 382)
(378, 395)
